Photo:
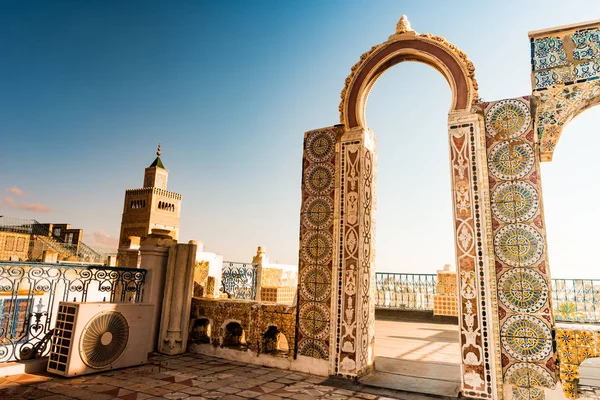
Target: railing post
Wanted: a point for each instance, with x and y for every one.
(154, 252)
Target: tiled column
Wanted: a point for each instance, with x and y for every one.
(354, 346)
(519, 240)
(316, 332)
(468, 171)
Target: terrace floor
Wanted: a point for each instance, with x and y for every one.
(192, 376)
(417, 357)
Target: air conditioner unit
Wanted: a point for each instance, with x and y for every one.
(95, 337)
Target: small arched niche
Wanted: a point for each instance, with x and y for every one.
(200, 331)
(274, 342)
(234, 336)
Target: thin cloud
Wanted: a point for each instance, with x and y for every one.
(9, 200)
(32, 207)
(104, 239)
(16, 191)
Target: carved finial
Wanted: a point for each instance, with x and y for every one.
(158, 150)
(403, 25)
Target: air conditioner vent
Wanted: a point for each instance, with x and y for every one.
(98, 336)
(104, 339)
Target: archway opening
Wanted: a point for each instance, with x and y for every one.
(572, 216)
(407, 110)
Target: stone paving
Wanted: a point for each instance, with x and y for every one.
(190, 376)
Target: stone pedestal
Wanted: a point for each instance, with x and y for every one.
(259, 261)
(215, 271)
(445, 301)
(49, 256)
(177, 299)
(154, 257)
(129, 255)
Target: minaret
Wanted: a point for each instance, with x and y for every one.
(151, 207)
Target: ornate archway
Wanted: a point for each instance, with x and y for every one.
(336, 270)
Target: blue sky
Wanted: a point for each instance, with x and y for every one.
(228, 88)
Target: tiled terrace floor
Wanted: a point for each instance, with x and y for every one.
(190, 376)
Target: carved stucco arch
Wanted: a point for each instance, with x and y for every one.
(407, 45)
(352, 350)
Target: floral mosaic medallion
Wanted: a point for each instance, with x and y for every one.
(511, 160)
(314, 349)
(518, 245)
(320, 146)
(316, 247)
(317, 212)
(528, 393)
(315, 283)
(314, 320)
(526, 338)
(319, 178)
(526, 375)
(515, 201)
(523, 290)
(507, 119)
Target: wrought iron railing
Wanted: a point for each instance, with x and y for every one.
(576, 300)
(238, 280)
(30, 293)
(405, 291)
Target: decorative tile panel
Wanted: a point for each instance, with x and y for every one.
(316, 242)
(474, 320)
(565, 72)
(575, 344)
(523, 288)
(356, 293)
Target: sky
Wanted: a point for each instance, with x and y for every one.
(88, 89)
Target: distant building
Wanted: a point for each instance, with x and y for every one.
(26, 240)
(148, 208)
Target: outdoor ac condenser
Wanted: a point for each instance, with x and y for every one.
(95, 337)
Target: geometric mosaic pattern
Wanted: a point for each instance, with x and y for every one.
(575, 344)
(316, 243)
(519, 244)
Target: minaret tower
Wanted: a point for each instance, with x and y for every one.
(151, 207)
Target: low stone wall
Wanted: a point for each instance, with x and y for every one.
(255, 319)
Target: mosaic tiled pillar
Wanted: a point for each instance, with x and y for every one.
(317, 218)
(354, 345)
(523, 280)
(467, 162)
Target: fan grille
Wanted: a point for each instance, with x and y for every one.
(104, 339)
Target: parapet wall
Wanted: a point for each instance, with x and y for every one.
(254, 318)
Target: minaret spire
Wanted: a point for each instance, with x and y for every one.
(158, 152)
